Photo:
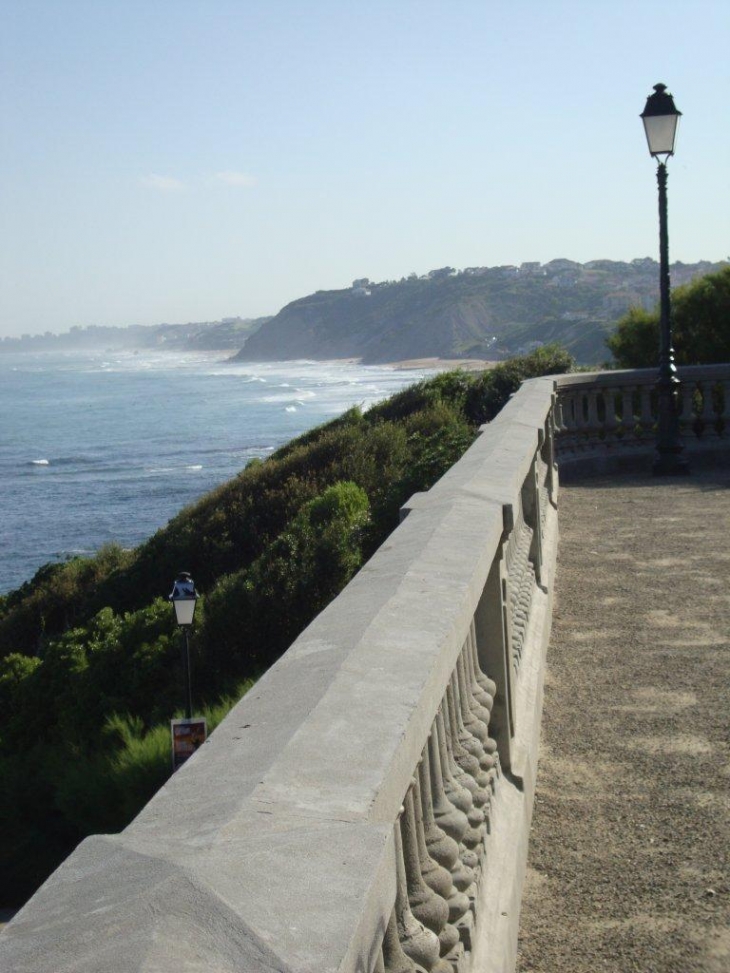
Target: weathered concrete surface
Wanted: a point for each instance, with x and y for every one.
(629, 863)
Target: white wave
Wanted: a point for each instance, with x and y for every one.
(290, 408)
(39, 462)
(197, 466)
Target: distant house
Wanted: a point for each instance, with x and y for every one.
(508, 270)
(560, 265)
(531, 267)
(361, 288)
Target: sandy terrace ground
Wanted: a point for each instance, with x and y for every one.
(629, 861)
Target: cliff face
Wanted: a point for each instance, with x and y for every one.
(480, 312)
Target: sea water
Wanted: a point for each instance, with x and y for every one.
(100, 447)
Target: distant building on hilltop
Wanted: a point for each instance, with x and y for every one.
(361, 288)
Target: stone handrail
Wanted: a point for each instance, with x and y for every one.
(610, 417)
(365, 807)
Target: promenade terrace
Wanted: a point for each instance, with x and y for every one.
(366, 807)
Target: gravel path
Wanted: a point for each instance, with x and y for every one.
(629, 862)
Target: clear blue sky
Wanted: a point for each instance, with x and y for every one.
(185, 160)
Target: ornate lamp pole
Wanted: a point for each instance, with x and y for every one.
(183, 598)
(660, 118)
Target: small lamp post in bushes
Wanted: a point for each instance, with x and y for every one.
(187, 734)
(660, 118)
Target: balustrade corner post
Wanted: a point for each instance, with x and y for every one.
(494, 654)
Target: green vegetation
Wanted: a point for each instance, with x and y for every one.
(90, 670)
(700, 327)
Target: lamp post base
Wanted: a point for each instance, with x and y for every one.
(670, 462)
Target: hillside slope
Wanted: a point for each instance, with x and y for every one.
(480, 312)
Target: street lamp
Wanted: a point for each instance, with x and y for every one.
(660, 118)
(183, 598)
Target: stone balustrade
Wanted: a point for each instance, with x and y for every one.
(366, 806)
(610, 417)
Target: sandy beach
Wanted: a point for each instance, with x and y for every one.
(445, 364)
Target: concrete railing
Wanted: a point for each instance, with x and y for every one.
(366, 806)
(607, 419)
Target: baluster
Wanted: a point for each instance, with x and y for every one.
(443, 849)
(646, 413)
(480, 716)
(458, 794)
(611, 422)
(475, 727)
(628, 423)
(725, 411)
(687, 415)
(593, 423)
(708, 410)
(393, 958)
(489, 686)
(419, 944)
(479, 796)
(462, 745)
(437, 879)
(448, 816)
(428, 907)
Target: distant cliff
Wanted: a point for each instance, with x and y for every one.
(480, 312)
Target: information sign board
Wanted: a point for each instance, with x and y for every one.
(187, 736)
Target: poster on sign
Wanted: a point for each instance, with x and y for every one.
(187, 736)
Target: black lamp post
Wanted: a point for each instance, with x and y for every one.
(660, 118)
(183, 598)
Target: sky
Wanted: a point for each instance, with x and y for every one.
(189, 160)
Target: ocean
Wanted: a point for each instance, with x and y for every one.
(99, 447)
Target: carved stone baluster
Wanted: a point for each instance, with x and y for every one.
(594, 423)
(725, 411)
(444, 850)
(448, 816)
(462, 744)
(419, 944)
(610, 398)
(393, 958)
(458, 794)
(477, 717)
(488, 685)
(687, 415)
(628, 423)
(708, 410)
(479, 796)
(428, 907)
(647, 413)
(438, 880)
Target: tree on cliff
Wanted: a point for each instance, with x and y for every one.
(700, 327)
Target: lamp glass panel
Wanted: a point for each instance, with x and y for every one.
(184, 610)
(660, 133)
